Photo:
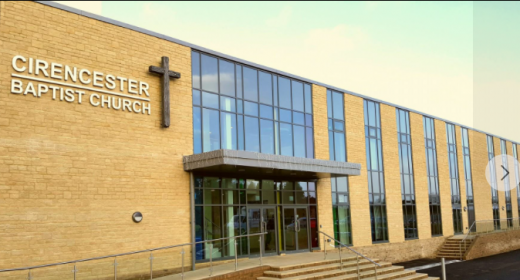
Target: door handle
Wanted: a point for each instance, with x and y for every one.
(264, 227)
(297, 227)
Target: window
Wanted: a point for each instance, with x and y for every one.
(238, 107)
(376, 184)
(341, 210)
(407, 179)
(493, 178)
(515, 155)
(336, 125)
(507, 188)
(467, 176)
(454, 179)
(433, 176)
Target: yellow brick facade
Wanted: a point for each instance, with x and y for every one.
(501, 194)
(462, 180)
(394, 208)
(512, 182)
(481, 188)
(358, 185)
(321, 142)
(444, 177)
(420, 176)
(71, 175)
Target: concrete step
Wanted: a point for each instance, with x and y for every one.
(316, 263)
(350, 266)
(393, 271)
(416, 276)
(320, 274)
(389, 276)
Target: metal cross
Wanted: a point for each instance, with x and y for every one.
(164, 70)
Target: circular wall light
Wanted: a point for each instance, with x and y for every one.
(137, 217)
(465, 208)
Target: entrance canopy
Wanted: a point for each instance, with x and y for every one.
(251, 163)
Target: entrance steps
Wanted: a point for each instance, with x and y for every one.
(454, 249)
(332, 270)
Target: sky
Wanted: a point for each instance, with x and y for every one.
(454, 60)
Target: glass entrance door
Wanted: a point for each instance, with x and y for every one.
(296, 228)
(262, 219)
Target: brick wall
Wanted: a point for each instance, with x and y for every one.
(71, 175)
(420, 176)
(481, 188)
(462, 178)
(444, 177)
(394, 205)
(358, 185)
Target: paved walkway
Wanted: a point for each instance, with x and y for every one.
(499, 267)
(288, 259)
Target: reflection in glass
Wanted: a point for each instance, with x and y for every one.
(211, 139)
(284, 93)
(197, 133)
(229, 133)
(299, 141)
(267, 136)
(252, 134)
(227, 78)
(266, 88)
(209, 73)
(195, 69)
(286, 139)
(250, 84)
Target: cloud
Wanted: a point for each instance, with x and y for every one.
(87, 6)
(281, 19)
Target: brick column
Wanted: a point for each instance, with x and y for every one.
(420, 176)
(481, 188)
(321, 147)
(512, 184)
(444, 177)
(394, 204)
(501, 193)
(358, 185)
(462, 178)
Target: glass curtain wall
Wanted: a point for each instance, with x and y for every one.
(517, 178)
(454, 179)
(337, 150)
(467, 175)
(493, 177)
(238, 107)
(507, 188)
(336, 125)
(376, 184)
(341, 210)
(407, 179)
(433, 176)
(221, 210)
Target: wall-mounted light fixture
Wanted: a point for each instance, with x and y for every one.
(503, 208)
(137, 217)
(465, 208)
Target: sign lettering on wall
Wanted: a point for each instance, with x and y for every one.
(41, 79)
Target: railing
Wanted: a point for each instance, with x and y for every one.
(75, 262)
(489, 226)
(325, 241)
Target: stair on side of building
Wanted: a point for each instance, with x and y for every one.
(454, 249)
(332, 270)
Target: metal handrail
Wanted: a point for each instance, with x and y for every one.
(341, 259)
(147, 250)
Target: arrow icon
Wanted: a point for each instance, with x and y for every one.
(507, 173)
